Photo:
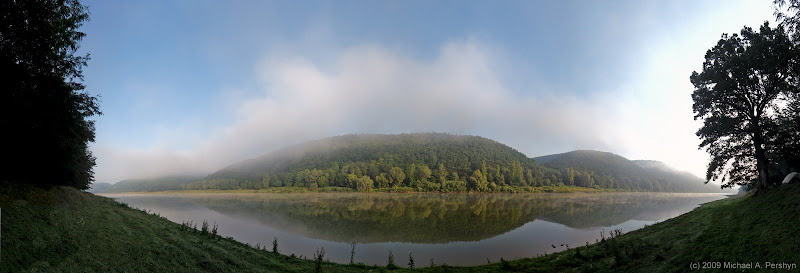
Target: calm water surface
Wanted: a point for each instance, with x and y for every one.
(456, 229)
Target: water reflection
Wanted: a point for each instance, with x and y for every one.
(457, 229)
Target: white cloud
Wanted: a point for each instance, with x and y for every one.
(372, 89)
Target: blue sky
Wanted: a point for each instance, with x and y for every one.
(190, 86)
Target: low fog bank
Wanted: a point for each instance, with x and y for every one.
(369, 89)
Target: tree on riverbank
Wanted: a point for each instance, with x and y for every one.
(44, 110)
(738, 96)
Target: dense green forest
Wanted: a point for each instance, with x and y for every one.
(426, 162)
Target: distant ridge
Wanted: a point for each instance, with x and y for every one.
(621, 169)
(428, 162)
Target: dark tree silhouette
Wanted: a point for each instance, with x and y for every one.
(787, 153)
(44, 110)
(736, 95)
(786, 12)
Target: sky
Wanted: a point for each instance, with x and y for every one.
(187, 87)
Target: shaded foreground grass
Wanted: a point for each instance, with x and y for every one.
(67, 230)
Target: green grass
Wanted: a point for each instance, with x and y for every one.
(66, 230)
(63, 229)
(762, 228)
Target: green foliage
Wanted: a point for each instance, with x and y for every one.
(479, 181)
(398, 163)
(406, 159)
(75, 231)
(383, 181)
(44, 110)
(364, 184)
(398, 176)
(454, 186)
(441, 174)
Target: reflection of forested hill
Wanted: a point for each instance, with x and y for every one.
(439, 218)
(614, 210)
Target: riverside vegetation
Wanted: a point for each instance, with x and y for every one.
(426, 162)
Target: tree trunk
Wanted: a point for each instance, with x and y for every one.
(761, 160)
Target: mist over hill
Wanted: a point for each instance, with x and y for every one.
(612, 168)
(166, 183)
(428, 162)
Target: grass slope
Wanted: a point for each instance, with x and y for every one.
(746, 229)
(67, 230)
(70, 231)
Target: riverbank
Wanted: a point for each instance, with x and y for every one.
(546, 189)
(67, 230)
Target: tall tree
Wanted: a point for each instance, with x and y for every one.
(441, 174)
(517, 174)
(397, 175)
(788, 149)
(478, 180)
(44, 110)
(735, 94)
(423, 173)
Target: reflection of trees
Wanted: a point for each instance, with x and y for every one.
(439, 218)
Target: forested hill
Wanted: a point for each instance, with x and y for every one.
(427, 162)
(614, 171)
(166, 183)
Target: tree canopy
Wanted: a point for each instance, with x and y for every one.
(737, 95)
(44, 110)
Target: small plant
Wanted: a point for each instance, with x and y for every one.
(410, 261)
(432, 264)
(275, 245)
(390, 262)
(352, 251)
(318, 256)
(214, 229)
(204, 228)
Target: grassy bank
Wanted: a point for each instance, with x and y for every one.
(67, 230)
(70, 231)
(747, 230)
